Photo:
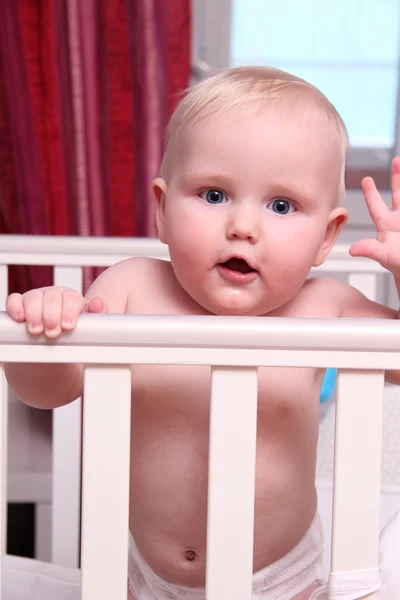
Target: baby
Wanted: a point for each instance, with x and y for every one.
(248, 202)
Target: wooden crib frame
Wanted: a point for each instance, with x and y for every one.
(234, 347)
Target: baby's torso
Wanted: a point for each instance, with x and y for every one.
(169, 453)
(169, 459)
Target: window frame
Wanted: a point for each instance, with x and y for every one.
(211, 42)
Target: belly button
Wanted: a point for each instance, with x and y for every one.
(190, 555)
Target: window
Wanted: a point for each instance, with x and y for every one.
(349, 50)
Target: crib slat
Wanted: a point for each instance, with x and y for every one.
(66, 485)
(358, 438)
(67, 457)
(105, 485)
(4, 423)
(230, 523)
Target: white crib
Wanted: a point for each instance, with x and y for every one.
(234, 347)
(61, 491)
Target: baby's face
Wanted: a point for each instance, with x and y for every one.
(248, 205)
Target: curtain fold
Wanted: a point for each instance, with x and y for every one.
(119, 106)
(86, 89)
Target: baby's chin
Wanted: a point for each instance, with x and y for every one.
(239, 313)
(242, 306)
(232, 309)
(223, 304)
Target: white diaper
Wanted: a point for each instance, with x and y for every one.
(384, 580)
(389, 560)
(282, 580)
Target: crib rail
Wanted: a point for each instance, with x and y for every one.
(68, 255)
(103, 251)
(75, 251)
(108, 344)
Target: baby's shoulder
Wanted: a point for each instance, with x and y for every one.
(324, 297)
(150, 284)
(142, 285)
(132, 276)
(139, 263)
(335, 298)
(323, 285)
(141, 272)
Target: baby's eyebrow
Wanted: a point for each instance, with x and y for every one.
(204, 177)
(295, 193)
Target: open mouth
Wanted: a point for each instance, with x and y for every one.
(238, 265)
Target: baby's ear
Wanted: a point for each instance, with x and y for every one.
(336, 220)
(160, 194)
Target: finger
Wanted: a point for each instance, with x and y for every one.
(52, 310)
(33, 307)
(72, 306)
(396, 183)
(369, 249)
(96, 305)
(15, 307)
(376, 206)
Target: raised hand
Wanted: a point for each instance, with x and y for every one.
(385, 249)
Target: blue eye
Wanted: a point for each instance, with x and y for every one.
(281, 207)
(213, 196)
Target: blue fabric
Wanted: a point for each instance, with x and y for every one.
(328, 385)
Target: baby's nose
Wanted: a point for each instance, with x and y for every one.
(244, 224)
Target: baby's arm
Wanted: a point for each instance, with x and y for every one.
(353, 304)
(384, 249)
(51, 311)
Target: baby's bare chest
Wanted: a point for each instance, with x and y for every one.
(285, 395)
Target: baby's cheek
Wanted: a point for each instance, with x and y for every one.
(186, 254)
(189, 239)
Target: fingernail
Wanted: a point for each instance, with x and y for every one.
(67, 323)
(35, 328)
(52, 331)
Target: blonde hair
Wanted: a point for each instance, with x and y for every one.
(248, 86)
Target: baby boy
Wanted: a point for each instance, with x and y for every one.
(248, 201)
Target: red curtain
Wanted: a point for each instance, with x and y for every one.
(86, 89)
